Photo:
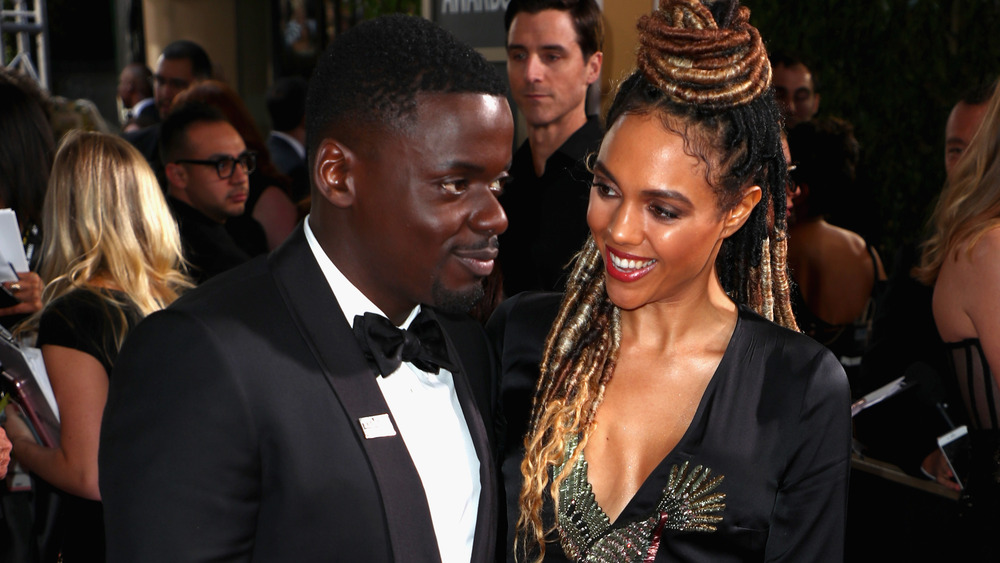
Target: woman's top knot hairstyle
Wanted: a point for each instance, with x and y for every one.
(703, 52)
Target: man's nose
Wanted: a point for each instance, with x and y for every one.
(488, 215)
(534, 70)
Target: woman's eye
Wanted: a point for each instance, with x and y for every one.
(662, 212)
(603, 189)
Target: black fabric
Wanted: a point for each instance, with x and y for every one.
(288, 162)
(904, 431)
(90, 322)
(547, 215)
(149, 115)
(147, 140)
(979, 389)
(232, 430)
(208, 246)
(774, 421)
(387, 346)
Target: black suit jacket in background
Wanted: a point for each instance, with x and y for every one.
(287, 160)
(232, 430)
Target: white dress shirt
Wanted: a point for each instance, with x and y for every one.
(431, 423)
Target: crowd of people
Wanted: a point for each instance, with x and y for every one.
(383, 332)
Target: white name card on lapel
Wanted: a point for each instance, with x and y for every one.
(378, 426)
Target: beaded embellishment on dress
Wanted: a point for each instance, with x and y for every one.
(687, 503)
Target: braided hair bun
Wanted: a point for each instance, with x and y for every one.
(703, 52)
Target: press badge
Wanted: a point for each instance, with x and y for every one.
(378, 426)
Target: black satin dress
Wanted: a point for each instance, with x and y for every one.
(760, 475)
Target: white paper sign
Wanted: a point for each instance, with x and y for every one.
(11, 247)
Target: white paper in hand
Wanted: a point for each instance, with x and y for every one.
(11, 246)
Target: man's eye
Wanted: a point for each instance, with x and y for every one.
(454, 186)
(496, 186)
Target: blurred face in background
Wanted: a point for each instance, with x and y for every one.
(795, 92)
(962, 125)
(171, 77)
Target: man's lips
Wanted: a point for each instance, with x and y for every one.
(627, 267)
(535, 96)
(239, 197)
(479, 259)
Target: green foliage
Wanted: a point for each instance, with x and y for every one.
(893, 68)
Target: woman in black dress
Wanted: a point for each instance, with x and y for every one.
(674, 421)
(114, 259)
(960, 261)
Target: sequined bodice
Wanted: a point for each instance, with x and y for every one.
(587, 535)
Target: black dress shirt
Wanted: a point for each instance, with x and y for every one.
(208, 246)
(547, 215)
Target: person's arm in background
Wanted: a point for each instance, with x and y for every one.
(28, 290)
(80, 385)
(4, 453)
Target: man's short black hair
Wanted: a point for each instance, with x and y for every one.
(586, 16)
(173, 130)
(979, 94)
(371, 75)
(788, 60)
(201, 65)
(286, 102)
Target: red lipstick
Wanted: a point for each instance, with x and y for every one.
(626, 267)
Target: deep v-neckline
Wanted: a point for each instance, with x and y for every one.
(659, 467)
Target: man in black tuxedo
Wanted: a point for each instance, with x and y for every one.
(246, 422)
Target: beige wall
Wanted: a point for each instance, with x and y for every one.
(213, 25)
(620, 17)
(210, 23)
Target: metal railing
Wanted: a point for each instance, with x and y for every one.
(24, 38)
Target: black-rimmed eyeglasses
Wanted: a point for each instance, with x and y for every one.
(226, 165)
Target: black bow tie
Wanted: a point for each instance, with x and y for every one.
(387, 346)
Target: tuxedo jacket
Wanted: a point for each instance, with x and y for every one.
(287, 160)
(232, 431)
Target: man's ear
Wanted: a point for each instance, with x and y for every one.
(177, 176)
(332, 172)
(594, 67)
(738, 215)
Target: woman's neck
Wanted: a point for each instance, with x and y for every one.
(668, 324)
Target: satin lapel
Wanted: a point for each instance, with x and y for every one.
(484, 546)
(322, 325)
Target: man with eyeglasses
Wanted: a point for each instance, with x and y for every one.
(180, 64)
(208, 171)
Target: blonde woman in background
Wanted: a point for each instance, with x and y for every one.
(114, 258)
(962, 260)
